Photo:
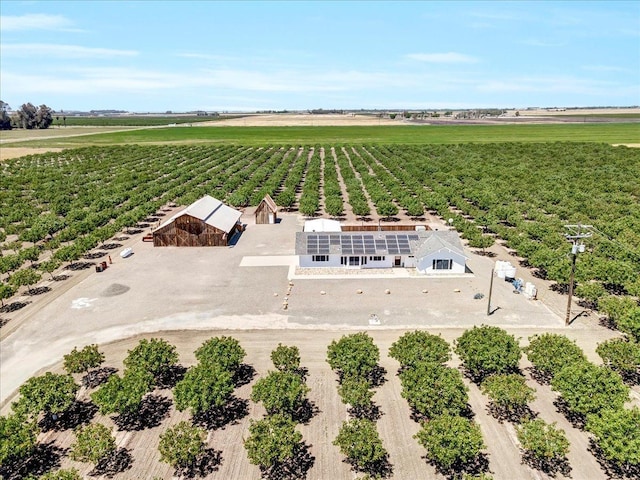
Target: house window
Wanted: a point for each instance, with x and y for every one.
(439, 264)
(354, 261)
(343, 261)
(363, 260)
(377, 258)
(320, 258)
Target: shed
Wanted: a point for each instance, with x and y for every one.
(267, 211)
(205, 223)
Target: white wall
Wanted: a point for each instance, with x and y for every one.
(425, 264)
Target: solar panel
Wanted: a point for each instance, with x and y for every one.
(405, 250)
(414, 237)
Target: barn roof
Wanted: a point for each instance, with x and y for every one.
(211, 211)
(419, 244)
(268, 201)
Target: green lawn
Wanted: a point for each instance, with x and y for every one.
(401, 134)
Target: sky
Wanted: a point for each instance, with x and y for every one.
(156, 56)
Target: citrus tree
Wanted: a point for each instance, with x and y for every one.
(224, 351)
(450, 441)
(551, 352)
(588, 388)
(94, 442)
(359, 441)
(617, 432)
(50, 394)
(181, 445)
(419, 347)
(543, 441)
(353, 355)
(280, 392)
(123, 395)
(156, 356)
(509, 393)
(272, 440)
(487, 350)
(203, 387)
(286, 359)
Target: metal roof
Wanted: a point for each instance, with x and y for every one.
(322, 225)
(211, 211)
(419, 243)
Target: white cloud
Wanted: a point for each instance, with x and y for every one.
(62, 51)
(34, 21)
(449, 57)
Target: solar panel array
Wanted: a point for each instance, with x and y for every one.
(360, 244)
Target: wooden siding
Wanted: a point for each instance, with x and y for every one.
(188, 231)
(262, 213)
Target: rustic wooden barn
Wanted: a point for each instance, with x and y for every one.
(267, 211)
(205, 223)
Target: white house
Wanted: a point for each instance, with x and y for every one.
(430, 252)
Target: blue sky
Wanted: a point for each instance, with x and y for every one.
(166, 55)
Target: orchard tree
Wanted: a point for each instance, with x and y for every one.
(26, 277)
(286, 359)
(588, 388)
(542, 441)
(50, 394)
(94, 442)
(353, 355)
(49, 266)
(280, 392)
(509, 393)
(286, 199)
(551, 352)
(419, 346)
(272, 440)
(386, 209)
(356, 392)
(487, 350)
(6, 291)
(434, 389)
(81, 361)
(202, 388)
(67, 474)
(181, 445)
(155, 356)
(359, 441)
(621, 355)
(617, 432)
(123, 395)
(17, 438)
(451, 441)
(224, 351)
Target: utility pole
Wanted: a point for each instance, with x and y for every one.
(575, 235)
(490, 290)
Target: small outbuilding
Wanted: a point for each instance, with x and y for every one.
(267, 211)
(205, 223)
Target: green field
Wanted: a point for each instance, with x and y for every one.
(401, 134)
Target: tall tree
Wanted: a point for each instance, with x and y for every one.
(25, 117)
(44, 117)
(5, 118)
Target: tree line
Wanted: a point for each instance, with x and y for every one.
(28, 116)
